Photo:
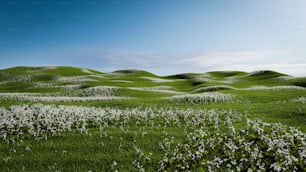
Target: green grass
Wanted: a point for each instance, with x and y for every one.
(80, 152)
(299, 81)
(14, 87)
(224, 74)
(74, 151)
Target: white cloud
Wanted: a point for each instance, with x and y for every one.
(216, 58)
(281, 61)
(290, 62)
(165, 64)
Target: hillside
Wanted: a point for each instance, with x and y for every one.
(131, 87)
(29, 78)
(60, 118)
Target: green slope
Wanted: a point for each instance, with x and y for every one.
(173, 109)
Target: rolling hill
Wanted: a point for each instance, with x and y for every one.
(60, 118)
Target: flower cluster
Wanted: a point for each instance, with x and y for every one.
(158, 89)
(285, 78)
(94, 91)
(214, 88)
(283, 87)
(9, 78)
(75, 79)
(256, 147)
(37, 97)
(41, 120)
(88, 94)
(212, 142)
(56, 86)
(299, 100)
(203, 98)
(157, 80)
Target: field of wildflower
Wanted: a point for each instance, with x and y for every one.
(74, 119)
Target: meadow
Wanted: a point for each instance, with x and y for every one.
(57, 118)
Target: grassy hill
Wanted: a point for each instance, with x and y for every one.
(145, 87)
(77, 119)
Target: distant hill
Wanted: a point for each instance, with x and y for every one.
(27, 79)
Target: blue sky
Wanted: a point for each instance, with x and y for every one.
(161, 36)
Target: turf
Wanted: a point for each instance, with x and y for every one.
(74, 151)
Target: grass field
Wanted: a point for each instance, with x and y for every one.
(75, 119)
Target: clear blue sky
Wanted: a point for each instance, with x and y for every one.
(161, 36)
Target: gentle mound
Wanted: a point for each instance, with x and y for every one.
(265, 74)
